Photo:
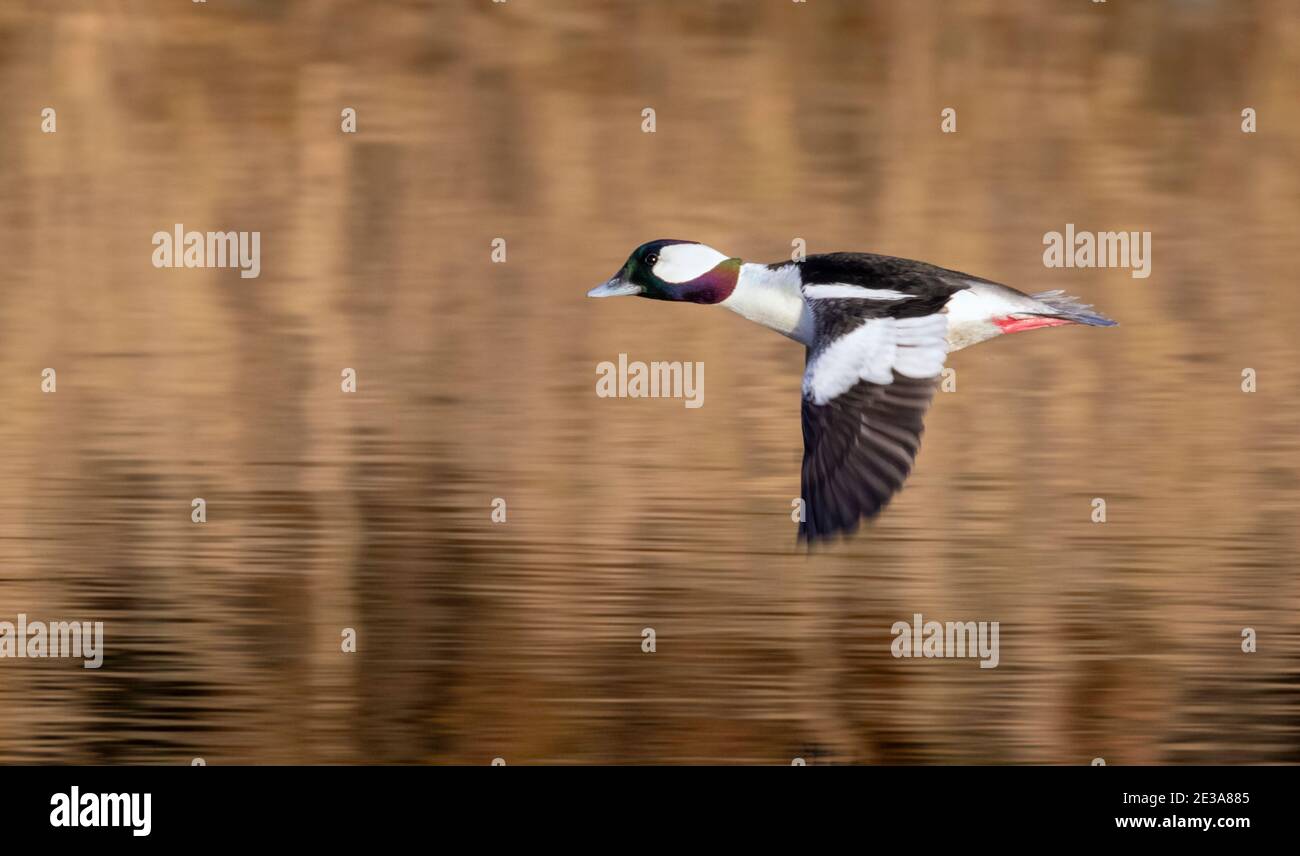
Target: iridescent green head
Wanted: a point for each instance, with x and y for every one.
(674, 270)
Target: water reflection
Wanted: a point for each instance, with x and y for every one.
(523, 640)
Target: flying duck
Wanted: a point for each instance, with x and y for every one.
(877, 330)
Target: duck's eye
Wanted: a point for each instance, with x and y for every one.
(652, 259)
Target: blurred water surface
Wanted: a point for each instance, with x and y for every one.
(522, 640)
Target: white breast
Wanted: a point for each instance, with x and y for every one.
(771, 297)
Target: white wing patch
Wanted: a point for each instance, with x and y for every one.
(685, 262)
(853, 292)
(922, 345)
(913, 347)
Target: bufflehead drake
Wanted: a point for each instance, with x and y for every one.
(877, 331)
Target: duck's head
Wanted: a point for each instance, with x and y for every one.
(674, 270)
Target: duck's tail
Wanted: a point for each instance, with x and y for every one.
(1072, 309)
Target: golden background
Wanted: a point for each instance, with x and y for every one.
(522, 640)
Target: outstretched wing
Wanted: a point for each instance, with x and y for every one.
(858, 450)
(878, 350)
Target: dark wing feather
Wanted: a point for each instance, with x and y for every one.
(928, 282)
(858, 449)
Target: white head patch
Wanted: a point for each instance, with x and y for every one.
(685, 262)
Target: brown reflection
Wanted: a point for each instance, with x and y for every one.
(523, 640)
